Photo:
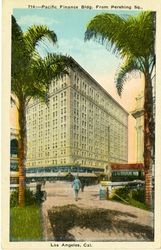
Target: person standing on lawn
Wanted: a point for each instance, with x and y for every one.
(76, 186)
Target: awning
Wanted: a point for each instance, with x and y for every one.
(101, 174)
(84, 174)
(127, 166)
(59, 174)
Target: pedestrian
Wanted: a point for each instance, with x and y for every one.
(76, 186)
(82, 184)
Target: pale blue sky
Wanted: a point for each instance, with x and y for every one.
(70, 26)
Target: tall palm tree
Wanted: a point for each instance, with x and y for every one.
(31, 76)
(133, 39)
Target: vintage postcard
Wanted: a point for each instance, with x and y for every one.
(81, 125)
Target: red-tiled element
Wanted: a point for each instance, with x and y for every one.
(127, 166)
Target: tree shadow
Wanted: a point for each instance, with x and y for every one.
(64, 218)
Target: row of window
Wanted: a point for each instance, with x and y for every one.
(99, 99)
(64, 161)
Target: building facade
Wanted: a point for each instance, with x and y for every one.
(138, 114)
(81, 127)
(127, 171)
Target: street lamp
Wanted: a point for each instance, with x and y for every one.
(108, 168)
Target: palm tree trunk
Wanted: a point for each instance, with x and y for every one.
(22, 152)
(148, 118)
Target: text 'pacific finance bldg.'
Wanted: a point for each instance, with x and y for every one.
(81, 129)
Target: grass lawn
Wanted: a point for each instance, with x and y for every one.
(26, 223)
(134, 203)
(139, 204)
(132, 197)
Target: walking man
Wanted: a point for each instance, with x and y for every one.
(76, 186)
(82, 184)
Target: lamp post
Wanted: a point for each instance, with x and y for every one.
(108, 170)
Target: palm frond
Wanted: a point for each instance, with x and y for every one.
(19, 57)
(51, 66)
(43, 71)
(131, 65)
(36, 34)
(125, 36)
(105, 28)
(140, 34)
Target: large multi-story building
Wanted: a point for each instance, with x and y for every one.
(81, 128)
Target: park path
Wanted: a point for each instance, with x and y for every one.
(61, 193)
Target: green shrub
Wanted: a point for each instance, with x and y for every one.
(133, 197)
(121, 192)
(139, 204)
(138, 195)
(14, 198)
(29, 198)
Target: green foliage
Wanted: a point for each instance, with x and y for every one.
(29, 198)
(111, 30)
(14, 198)
(139, 204)
(123, 193)
(138, 195)
(26, 223)
(32, 73)
(133, 197)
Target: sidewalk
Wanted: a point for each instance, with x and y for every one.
(133, 220)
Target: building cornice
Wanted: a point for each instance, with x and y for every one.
(97, 84)
(137, 113)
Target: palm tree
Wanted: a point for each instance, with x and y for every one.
(133, 39)
(31, 76)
